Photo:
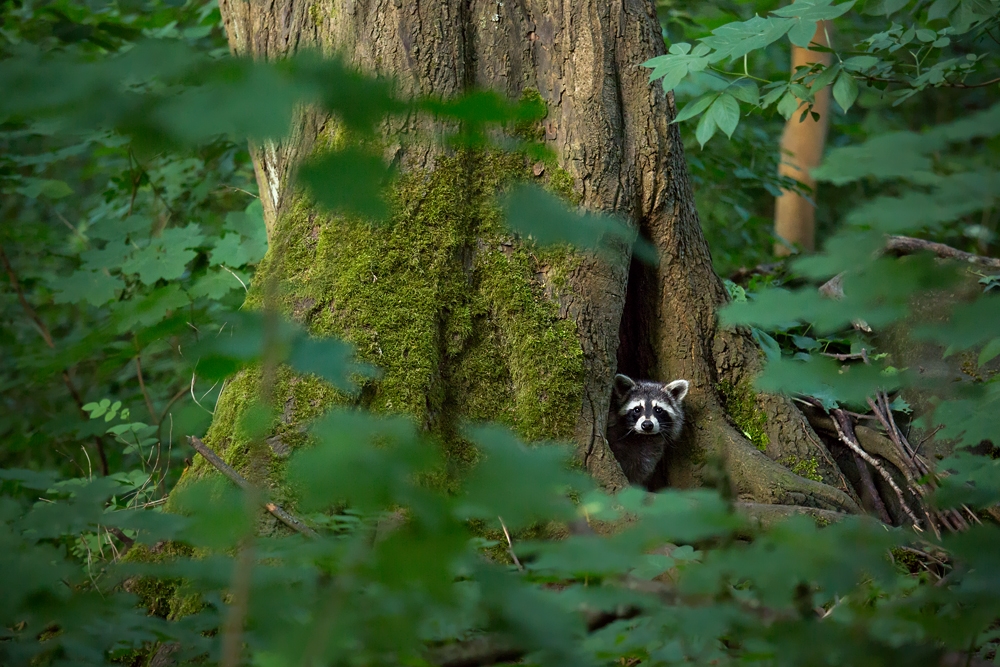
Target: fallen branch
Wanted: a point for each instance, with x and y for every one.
(868, 484)
(907, 245)
(478, 651)
(918, 467)
(286, 518)
(873, 462)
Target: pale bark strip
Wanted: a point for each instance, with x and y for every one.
(801, 151)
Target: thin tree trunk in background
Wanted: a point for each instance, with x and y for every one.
(616, 150)
(801, 150)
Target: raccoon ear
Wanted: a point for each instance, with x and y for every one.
(622, 385)
(677, 389)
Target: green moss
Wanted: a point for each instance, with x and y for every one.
(907, 562)
(165, 598)
(461, 318)
(741, 405)
(808, 468)
(561, 182)
(535, 110)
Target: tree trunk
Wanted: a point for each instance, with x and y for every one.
(468, 324)
(801, 151)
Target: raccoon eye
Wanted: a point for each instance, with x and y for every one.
(637, 410)
(658, 410)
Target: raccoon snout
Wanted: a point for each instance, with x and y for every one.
(647, 426)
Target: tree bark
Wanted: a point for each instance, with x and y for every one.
(483, 323)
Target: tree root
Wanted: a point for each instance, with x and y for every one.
(765, 516)
(754, 477)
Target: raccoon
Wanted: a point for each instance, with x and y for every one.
(645, 417)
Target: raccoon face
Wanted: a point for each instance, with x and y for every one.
(651, 408)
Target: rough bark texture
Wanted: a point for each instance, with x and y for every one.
(616, 153)
(801, 151)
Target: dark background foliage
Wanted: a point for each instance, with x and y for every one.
(131, 231)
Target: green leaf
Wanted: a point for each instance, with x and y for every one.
(330, 359)
(158, 261)
(824, 378)
(94, 287)
(31, 479)
(143, 312)
(788, 105)
(230, 250)
(706, 130)
(351, 181)
(970, 324)
(893, 155)
(774, 92)
(884, 7)
(249, 224)
(973, 480)
(725, 113)
(971, 420)
(952, 197)
(214, 285)
(805, 343)
(535, 480)
(824, 78)
(673, 67)
(98, 409)
(51, 189)
(734, 40)
(219, 517)
(745, 90)
(845, 91)
(806, 14)
(111, 257)
(941, 9)
(535, 212)
(166, 257)
(989, 351)
(694, 108)
(770, 346)
(367, 460)
(860, 63)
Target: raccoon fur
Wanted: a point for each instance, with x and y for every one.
(645, 418)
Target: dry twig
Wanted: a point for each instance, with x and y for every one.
(842, 421)
(286, 518)
(510, 544)
(873, 462)
(906, 245)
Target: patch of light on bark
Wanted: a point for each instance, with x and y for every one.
(271, 171)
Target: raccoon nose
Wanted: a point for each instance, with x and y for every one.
(647, 425)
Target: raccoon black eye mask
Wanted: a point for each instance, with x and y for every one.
(646, 416)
